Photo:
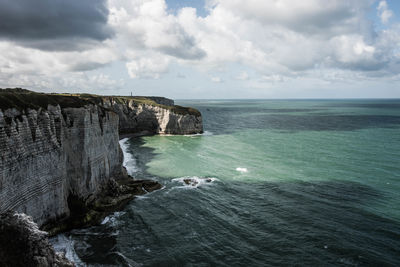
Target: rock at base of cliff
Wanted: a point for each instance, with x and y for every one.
(91, 211)
(23, 244)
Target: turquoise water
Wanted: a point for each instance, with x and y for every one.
(294, 182)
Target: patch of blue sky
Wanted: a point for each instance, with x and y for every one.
(175, 5)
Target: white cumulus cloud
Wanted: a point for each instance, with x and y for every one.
(384, 12)
(276, 41)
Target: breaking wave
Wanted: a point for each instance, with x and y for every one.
(129, 161)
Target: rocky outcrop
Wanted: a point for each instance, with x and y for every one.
(147, 117)
(61, 163)
(93, 210)
(59, 153)
(23, 244)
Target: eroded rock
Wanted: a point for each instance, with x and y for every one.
(23, 244)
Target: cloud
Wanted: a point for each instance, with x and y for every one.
(277, 41)
(309, 16)
(146, 25)
(287, 38)
(150, 67)
(18, 59)
(384, 12)
(243, 76)
(216, 79)
(64, 82)
(54, 24)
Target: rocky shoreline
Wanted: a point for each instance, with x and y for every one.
(23, 244)
(61, 163)
(91, 211)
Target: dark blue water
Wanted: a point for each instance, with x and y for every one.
(274, 183)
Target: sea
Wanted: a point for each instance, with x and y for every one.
(268, 183)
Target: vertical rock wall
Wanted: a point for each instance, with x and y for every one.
(50, 154)
(154, 119)
(47, 154)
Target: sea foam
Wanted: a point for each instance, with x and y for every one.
(206, 133)
(129, 161)
(112, 219)
(242, 170)
(194, 181)
(64, 244)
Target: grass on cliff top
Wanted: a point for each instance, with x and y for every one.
(22, 99)
(146, 101)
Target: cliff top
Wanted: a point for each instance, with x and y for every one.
(152, 102)
(22, 99)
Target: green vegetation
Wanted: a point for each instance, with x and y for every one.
(146, 101)
(22, 99)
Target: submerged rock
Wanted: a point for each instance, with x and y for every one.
(190, 181)
(23, 244)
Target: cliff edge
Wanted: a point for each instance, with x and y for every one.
(150, 115)
(60, 159)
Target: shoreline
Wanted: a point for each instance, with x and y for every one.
(127, 180)
(92, 211)
(62, 160)
(135, 135)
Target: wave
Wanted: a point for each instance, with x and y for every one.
(205, 133)
(63, 244)
(112, 219)
(194, 181)
(129, 161)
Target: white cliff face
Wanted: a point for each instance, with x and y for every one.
(154, 119)
(45, 155)
(173, 123)
(48, 155)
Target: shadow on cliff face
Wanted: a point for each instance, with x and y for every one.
(147, 122)
(133, 123)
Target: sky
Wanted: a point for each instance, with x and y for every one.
(203, 49)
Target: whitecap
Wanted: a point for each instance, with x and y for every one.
(106, 220)
(112, 219)
(205, 133)
(241, 170)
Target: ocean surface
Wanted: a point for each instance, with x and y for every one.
(270, 183)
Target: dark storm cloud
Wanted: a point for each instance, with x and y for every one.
(54, 24)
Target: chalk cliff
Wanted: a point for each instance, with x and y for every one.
(139, 115)
(60, 154)
(48, 155)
